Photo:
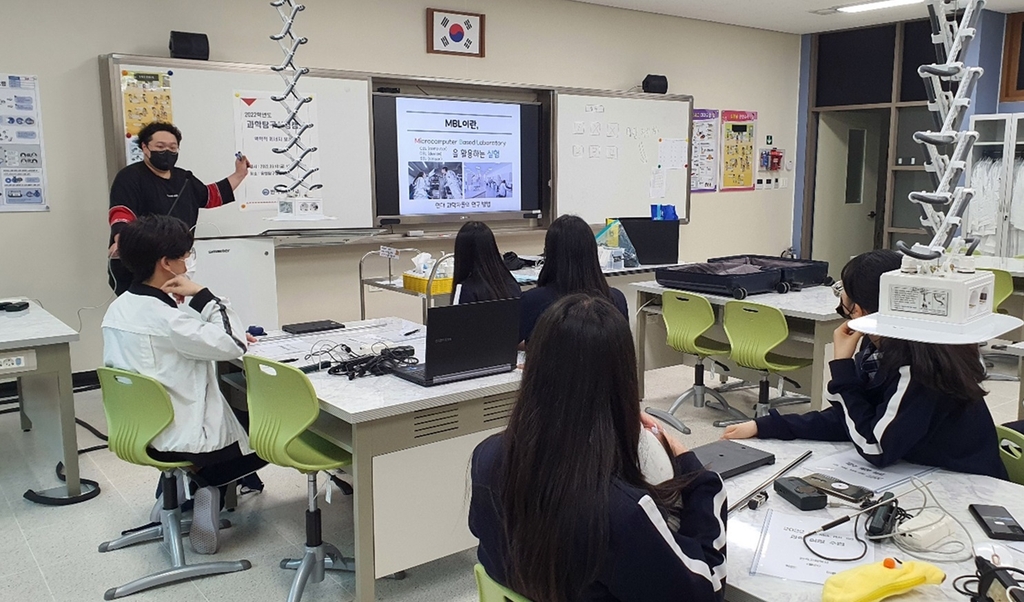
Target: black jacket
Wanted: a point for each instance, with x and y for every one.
(894, 418)
(645, 561)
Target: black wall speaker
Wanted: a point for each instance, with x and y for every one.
(187, 45)
(655, 84)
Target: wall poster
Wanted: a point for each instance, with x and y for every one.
(738, 136)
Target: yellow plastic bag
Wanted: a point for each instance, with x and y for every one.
(873, 582)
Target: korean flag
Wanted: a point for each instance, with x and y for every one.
(457, 33)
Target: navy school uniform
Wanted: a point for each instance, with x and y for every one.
(896, 417)
(473, 290)
(646, 561)
(536, 300)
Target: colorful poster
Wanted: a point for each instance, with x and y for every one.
(738, 136)
(22, 171)
(704, 170)
(256, 138)
(146, 97)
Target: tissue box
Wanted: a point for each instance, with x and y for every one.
(418, 283)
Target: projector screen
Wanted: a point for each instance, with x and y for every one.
(441, 157)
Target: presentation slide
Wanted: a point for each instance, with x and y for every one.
(458, 156)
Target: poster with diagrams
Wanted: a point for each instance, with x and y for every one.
(704, 165)
(146, 97)
(256, 137)
(22, 171)
(738, 136)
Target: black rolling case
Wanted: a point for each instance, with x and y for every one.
(736, 279)
(796, 273)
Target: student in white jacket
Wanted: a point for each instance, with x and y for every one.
(145, 331)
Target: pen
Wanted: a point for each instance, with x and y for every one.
(290, 360)
(413, 331)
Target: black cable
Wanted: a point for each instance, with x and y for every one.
(385, 362)
(982, 580)
(856, 523)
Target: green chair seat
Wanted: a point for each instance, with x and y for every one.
(1011, 450)
(312, 453)
(785, 363)
(492, 591)
(138, 408)
(688, 317)
(706, 347)
(282, 406)
(754, 330)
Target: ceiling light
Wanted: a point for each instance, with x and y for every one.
(860, 8)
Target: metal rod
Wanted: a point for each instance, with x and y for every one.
(769, 481)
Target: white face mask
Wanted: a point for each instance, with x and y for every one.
(190, 267)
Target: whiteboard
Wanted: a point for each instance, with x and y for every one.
(203, 104)
(608, 148)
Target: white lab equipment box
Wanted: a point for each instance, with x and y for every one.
(243, 271)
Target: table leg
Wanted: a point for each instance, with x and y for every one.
(26, 422)
(362, 502)
(49, 399)
(641, 342)
(822, 338)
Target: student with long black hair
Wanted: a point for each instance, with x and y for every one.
(480, 274)
(570, 266)
(560, 505)
(918, 402)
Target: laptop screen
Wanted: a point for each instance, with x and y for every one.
(474, 336)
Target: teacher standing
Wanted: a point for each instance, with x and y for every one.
(155, 186)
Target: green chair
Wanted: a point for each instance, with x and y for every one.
(492, 591)
(754, 330)
(1011, 450)
(688, 317)
(137, 409)
(282, 406)
(1002, 291)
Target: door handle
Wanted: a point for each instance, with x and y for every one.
(872, 215)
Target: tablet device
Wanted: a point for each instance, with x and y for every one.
(729, 458)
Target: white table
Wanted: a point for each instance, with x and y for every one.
(954, 490)
(525, 277)
(411, 448)
(35, 348)
(810, 313)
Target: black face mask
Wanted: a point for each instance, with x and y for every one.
(842, 312)
(163, 160)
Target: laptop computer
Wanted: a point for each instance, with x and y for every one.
(467, 341)
(729, 458)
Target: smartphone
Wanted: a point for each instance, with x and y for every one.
(833, 486)
(997, 522)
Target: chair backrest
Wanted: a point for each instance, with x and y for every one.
(137, 408)
(1011, 450)
(492, 591)
(282, 405)
(1003, 287)
(687, 316)
(753, 331)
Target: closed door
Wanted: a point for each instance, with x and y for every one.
(849, 184)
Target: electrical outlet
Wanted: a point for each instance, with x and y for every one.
(9, 363)
(23, 360)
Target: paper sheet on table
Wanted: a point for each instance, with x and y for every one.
(781, 551)
(658, 183)
(672, 153)
(850, 467)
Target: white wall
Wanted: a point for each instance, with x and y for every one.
(59, 257)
